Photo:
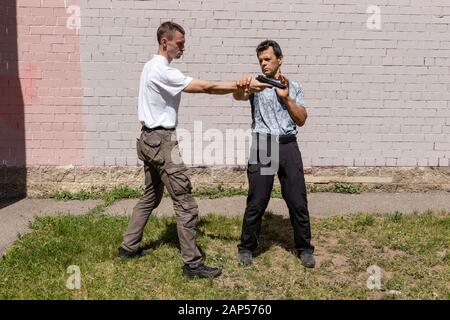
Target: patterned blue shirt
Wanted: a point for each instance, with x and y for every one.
(270, 115)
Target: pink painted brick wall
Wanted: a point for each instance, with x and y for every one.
(48, 59)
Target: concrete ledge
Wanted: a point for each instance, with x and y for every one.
(41, 181)
(343, 179)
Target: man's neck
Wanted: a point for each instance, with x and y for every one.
(164, 54)
(277, 74)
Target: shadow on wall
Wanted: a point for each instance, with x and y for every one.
(12, 126)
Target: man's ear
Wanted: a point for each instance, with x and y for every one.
(280, 60)
(164, 43)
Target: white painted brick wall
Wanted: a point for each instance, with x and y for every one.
(374, 97)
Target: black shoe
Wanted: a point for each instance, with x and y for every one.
(307, 259)
(123, 253)
(245, 257)
(201, 271)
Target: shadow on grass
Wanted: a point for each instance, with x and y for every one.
(215, 231)
(276, 230)
(169, 237)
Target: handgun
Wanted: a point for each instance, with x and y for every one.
(272, 82)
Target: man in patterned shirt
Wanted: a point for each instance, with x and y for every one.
(276, 113)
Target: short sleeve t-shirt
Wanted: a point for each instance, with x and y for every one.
(270, 115)
(160, 93)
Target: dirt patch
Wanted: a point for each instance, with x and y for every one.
(392, 253)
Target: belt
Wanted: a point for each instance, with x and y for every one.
(283, 138)
(144, 128)
(286, 138)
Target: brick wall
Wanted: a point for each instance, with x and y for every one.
(50, 94)
(374, 97)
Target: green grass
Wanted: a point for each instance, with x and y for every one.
(120, 193)
(210, 192)
(220, 191)
(67, 195)
(109, 197)
(412, 250)
(346, 188)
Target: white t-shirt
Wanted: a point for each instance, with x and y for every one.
(160, 93)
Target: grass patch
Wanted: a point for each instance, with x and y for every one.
(108, 197)
(220, 191)
(411, 250)
(346, 188)
(212, 192)
(67, 195)
(120, 193)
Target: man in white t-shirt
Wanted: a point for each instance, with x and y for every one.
(159, 98)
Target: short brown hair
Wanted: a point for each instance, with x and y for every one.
(263, 46)
(168, 29)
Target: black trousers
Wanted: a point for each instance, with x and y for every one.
(293, 189)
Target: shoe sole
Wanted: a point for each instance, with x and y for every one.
(199, 277)
(245, 264)
(309, 266)
(196, 276)
(134, 256)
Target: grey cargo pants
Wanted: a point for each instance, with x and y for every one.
(163, 166)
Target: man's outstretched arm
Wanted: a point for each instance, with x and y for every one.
(202, 86)
(243, 92)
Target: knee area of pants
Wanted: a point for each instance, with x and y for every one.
(186, 202)
(188, 221)
(258, 205)
(301, 209)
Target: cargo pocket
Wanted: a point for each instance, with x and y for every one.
(151, 148)
(188, 202)
(178, 180)
(253, 168)
(139, 150)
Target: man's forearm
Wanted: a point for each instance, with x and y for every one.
(202, 86)
(221, 87)
(297, 113)
(242, 96)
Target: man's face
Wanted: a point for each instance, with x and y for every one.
(175, 46)
(269, 62)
